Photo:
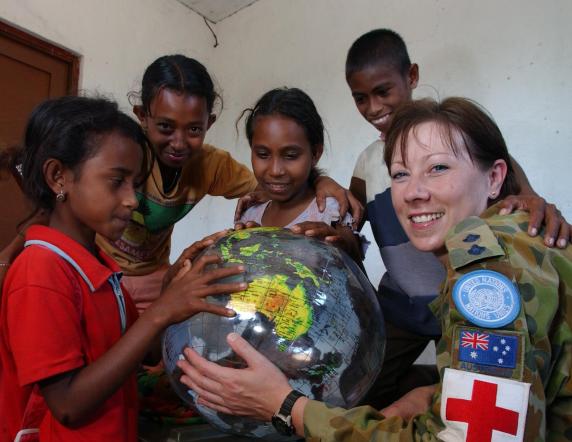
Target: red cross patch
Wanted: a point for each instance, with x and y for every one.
(481, 408)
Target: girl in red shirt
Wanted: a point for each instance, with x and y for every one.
(70, 340)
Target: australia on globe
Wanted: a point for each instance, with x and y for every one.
(308, 308)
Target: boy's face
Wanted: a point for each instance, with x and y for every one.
(379, 89)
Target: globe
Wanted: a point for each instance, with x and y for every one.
(308, 308)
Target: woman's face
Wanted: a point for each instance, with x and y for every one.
(437, 189)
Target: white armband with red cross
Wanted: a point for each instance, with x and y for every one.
(482, 408)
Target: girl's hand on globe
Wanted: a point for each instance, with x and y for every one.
(340, 236)
(318, 230)
(256, 391)
(185, 295)
(246, 225)
(417, 401)
(189, 254)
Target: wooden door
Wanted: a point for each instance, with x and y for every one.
(31, 70)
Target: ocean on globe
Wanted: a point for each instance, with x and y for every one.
(308, 308)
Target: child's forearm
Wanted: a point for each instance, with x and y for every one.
(74, 396)
(521, 178)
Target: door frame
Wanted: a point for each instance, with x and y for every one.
(27, 39)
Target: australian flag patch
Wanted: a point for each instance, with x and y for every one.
(484, 351)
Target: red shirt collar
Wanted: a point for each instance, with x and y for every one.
(96, 271)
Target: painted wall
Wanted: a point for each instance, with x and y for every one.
(115, 39)
(514, 57)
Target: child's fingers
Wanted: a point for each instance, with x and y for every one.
(321, 200)
(553, 220)
(183, 270)
(205, 260)
(565, 235)
(212, 275)
(356, 208)
(506, 206)
(219, 289)
(194, 249)
(241, 207)
(219, 310)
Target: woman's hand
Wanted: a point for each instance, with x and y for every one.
(248, 200)
(190, 253)
(325, 186)
(417, 401)
(256, 391)
(557, 232)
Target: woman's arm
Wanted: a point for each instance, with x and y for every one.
(258, 391)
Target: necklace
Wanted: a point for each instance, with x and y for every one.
(168, 183)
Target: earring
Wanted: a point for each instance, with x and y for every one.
(61, 196)
(493, 194)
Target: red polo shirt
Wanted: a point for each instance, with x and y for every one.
(58, 313)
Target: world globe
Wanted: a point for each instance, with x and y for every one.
(308, 308)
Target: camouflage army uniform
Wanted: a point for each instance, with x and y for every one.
(543, 329)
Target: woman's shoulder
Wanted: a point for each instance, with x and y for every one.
(493, 235)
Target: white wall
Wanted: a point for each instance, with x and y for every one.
(116, 39)
(514, 57)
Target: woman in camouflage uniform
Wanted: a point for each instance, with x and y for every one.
(505, 356)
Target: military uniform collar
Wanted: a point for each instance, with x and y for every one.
(472, 240)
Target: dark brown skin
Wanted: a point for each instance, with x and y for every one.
(557, 231)
(74, 396)
(340, 236)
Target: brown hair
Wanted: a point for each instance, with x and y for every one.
(457, 118)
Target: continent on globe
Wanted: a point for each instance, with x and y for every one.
(271, 296)
(308, 308)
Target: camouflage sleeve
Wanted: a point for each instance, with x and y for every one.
(559, 386)
(510, 377)
(536, 345)
(325, 424)
(559, 397)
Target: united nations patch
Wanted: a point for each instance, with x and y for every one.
(487, 299)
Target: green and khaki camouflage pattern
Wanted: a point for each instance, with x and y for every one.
(543, 277)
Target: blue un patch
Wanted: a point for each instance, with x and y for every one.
(483, 348)
(487, 299)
